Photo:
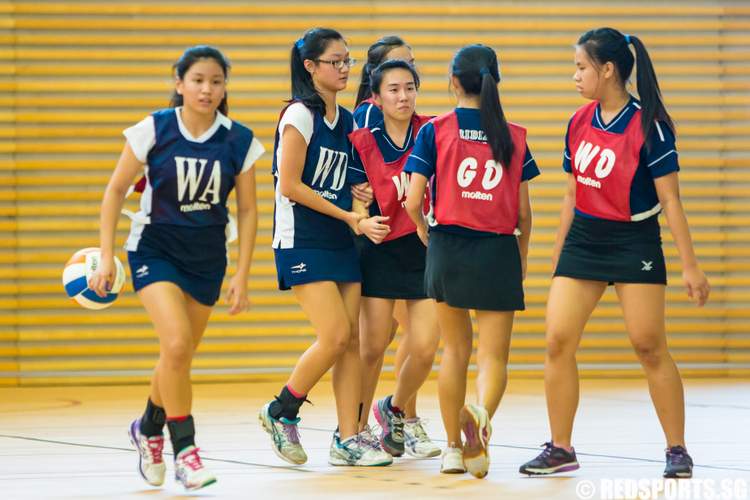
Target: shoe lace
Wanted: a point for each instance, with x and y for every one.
(192, 459)
(155, 448)
(368, 437)
(548, 447)
(291, 432)
(398, 424)
(417, 429)
(676, 456)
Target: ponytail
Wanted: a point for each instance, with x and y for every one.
(652, 105)
(604, 45)
(476, 68)
(365, 91)
(493, 121)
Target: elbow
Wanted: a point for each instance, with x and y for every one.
(287, 189)
(249, 212)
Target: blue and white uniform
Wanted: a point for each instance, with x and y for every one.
(179, 233)
(310, 246)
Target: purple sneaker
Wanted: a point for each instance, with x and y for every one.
(679, 463)
(551, 461)
(150, 461)
(392, 426)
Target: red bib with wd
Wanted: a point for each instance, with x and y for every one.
(604, 164)
(389, 182)
(473, 190)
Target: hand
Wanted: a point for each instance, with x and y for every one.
(696, 285)
(423, 234)
(524, 265)
(363, 192)
(375, 228)
(237, 295)
(102, 280)
(352, 219)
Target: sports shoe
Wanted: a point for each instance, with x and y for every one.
(189, 470)
(392, 425)
(475, 422)
(550, 461)
(285, 436)
(416, 441)
(150, 460)
(355, 451)
(452, 461)
(369, 437)
(679, 463)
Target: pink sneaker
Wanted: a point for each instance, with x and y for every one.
(150, 461)
(189, 470)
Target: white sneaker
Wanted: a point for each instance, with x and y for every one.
(369, 437)
(452, 461)
(417, 442)
(475, 423)
(150, 460)
(189, 470)
(357, 451)
(285, 436)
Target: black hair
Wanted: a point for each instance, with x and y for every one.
(192, 56)
(376, 76)
(603, 45)
(376, 54)
(311, 46)
(476, 68)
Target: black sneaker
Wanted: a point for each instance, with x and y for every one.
(679, 463)
(551, 461)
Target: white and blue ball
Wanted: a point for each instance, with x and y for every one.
(79, 270)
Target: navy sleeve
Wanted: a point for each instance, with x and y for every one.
(566, 153)
(661, 157)
(530, 168)
(355, 172)
(367, 114)
(423, 157)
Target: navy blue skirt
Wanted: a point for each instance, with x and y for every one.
(193, 258)
(393, 269)
(475, 273)
(613, 251)
(299, 266)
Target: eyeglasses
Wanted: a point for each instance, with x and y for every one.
(339, 65)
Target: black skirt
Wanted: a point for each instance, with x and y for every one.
(393, 269)
(475, 273)
(613, 251)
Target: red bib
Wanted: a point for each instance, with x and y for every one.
(473, 190)
(604, 164)
(389, 182)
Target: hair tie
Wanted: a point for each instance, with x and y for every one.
(627, 39)
(484, 71)
(300, 44)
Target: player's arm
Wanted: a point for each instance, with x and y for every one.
(247, 229)
(290, 179)
(128, 166)
(414, 200)
(524, 223)
(668, 191)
